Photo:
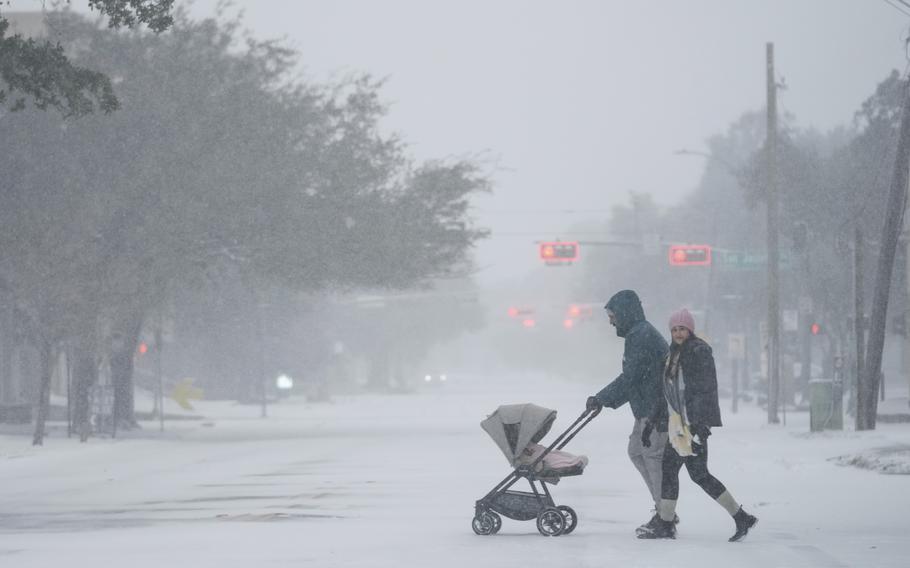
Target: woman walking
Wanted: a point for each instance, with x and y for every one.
(688, 410)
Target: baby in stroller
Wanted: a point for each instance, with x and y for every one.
(517, 429)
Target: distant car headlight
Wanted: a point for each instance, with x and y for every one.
(284, 382)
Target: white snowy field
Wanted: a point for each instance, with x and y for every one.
(380, 481)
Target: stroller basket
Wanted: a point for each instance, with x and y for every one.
(517, 429)
(518, 505)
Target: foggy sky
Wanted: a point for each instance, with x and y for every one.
(577, 103)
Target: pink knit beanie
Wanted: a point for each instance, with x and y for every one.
(684, 318)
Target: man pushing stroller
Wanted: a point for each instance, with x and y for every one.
(639, 384)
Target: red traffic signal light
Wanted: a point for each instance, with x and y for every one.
(690, 255)
(559, 251)
(815, 329)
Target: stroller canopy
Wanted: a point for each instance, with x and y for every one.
(514, 426)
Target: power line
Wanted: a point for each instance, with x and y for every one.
(902, 7)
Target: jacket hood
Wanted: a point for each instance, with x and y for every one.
(627, 309)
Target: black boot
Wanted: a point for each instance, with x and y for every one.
(744, 521)
(661, 529)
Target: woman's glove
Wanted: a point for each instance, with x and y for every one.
(700, 435)
(701, 431)
(593, 404)
(646, 434)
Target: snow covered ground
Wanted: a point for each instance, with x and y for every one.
(381, 481)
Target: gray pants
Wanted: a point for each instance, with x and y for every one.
(648, 460)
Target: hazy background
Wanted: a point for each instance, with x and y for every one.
(576, 103)
(594, 121)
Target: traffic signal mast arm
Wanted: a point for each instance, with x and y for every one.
(566, 252)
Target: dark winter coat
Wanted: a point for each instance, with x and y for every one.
(696, 365)
(642, 359)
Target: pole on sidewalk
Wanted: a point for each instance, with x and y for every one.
(859, 323)
(159, 345)
(735, 372)
(905, 315)
(894, 215)
(773, 248)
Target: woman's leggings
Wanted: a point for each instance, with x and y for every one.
(696, 465)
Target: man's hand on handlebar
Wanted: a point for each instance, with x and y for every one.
(593, 404)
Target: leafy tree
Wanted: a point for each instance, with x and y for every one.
(42, 71)
(219, 168)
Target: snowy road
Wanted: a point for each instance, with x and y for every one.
(382, 481)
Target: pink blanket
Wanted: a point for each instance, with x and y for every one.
(556, 460)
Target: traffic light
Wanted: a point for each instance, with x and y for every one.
(815, 328)
(690, 255)
(558, 252)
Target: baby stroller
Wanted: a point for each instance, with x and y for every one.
(517, 429)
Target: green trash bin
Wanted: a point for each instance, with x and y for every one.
(825, 405)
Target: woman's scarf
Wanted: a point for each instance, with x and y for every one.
(677, 426)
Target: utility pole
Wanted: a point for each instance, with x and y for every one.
(859, 322)
(159, 345)
(263, 390)
(773, 248)
(906, 339)
(867, 406)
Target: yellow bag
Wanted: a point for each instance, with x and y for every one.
(680, 437)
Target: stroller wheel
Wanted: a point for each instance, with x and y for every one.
(484, 524)
(550, 522)
(568, 513)
(497, 522)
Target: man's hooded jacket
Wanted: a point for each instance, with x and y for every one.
(642, 359)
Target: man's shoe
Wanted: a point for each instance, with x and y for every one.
(662, 529)
(649, 526)
(744, 521)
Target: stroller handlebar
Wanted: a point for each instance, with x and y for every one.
(566, 437)
(588, 415)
